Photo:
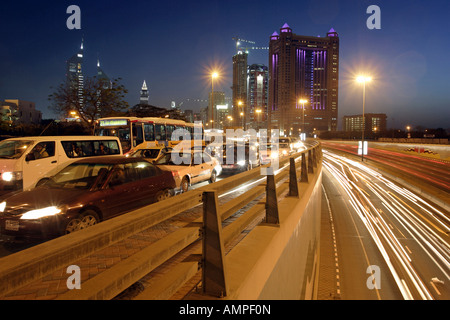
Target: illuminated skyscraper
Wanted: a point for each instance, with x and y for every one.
(239, 87)
(74, 72)
(303, 67)
(257, 95)
(144, 94)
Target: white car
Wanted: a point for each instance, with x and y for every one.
(190, 167)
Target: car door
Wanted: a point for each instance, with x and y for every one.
(41, 160)
(196, 167)
(208, 166)
(120, 191)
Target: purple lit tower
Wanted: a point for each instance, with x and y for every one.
(303, 67)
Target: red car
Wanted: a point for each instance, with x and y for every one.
(82, 194)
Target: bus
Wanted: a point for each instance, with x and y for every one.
(142, 133)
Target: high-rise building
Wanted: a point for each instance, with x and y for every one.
(257, 96)
(239, 87)
(101, 75)
(74, 73)
(144, 94)
(303, 67)
(216, 98)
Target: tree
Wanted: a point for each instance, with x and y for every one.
(98, 98)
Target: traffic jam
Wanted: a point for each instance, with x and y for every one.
(52, 186)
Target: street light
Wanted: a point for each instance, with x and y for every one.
(214, 75)
(303, 101)
(363, 80)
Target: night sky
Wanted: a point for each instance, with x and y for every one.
(174, 45)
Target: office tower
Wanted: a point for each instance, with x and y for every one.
(144, 94)
(257, 96)
(216, 98)
(303, 67)
(101, 75)
(74, 73)
(239, 86)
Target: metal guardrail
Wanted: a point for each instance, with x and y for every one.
(22, 268)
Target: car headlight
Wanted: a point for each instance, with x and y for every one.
(2, 206)
(284, 152)
(10, 176)
(40, 213)
(241, 163)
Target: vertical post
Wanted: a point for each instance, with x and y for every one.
(310, 162)
(214, 282)
(304, 173)
(271, 201)
(293, 180)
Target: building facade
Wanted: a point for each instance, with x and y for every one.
(74, 73)
(303, 67)
(239, 87)
(257, 96)
(15, 111)
(374, 122)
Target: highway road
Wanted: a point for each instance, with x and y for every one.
(379, 223)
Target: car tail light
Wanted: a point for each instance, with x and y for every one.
(175, 174)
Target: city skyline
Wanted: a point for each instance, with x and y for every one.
(174, 46)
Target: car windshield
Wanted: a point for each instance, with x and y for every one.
(147, 153)
(80, 176)
(13, 149)
(175, 158)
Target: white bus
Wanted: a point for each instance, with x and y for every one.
(142, 133)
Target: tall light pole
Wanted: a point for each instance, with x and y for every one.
(363, 80)
(213, 76)
(303, 101)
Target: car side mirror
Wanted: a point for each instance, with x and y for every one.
(30, 157)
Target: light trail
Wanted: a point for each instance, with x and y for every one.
(402, 216)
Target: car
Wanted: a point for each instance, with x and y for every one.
(82, 194)
(190, 167)
(150, 154)
(238, 157)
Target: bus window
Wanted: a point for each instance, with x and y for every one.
(160, 131)
(149, 133)
(169, 129)
(138, 137)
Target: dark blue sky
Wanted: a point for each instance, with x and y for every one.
(173, 44)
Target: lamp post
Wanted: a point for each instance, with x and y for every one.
(213, 76)
(363, 80)
(303, 101)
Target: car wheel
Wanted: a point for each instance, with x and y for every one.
(82, 221)
(163, 195)
(213, 177)
(184, 184)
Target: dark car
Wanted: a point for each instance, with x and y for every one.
(238, 157)
(82, 194)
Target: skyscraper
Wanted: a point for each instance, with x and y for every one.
(144, 94)
(239, 87)
(303, 67)
(257, 95)
(74, 73)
